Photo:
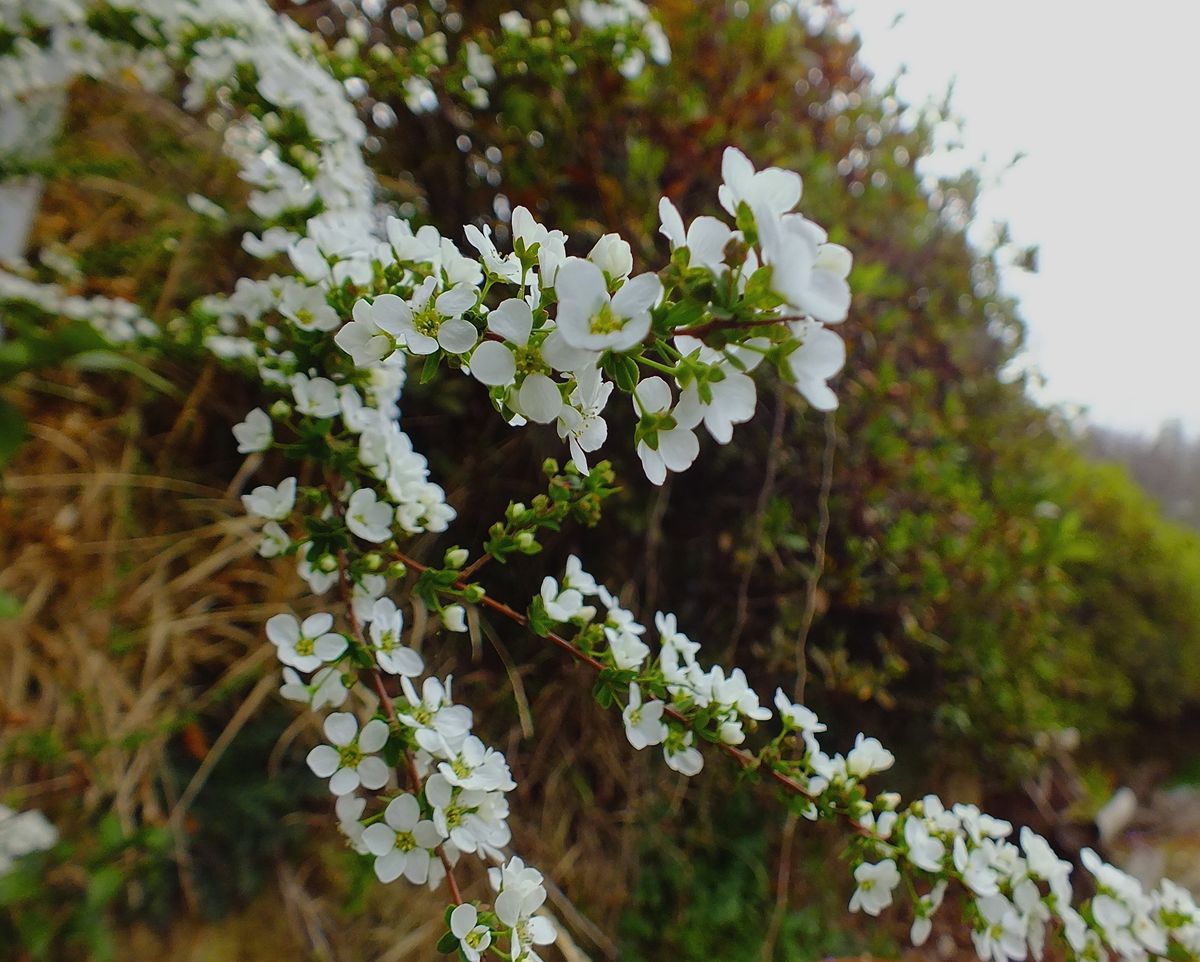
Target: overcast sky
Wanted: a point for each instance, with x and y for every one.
(1104, 100)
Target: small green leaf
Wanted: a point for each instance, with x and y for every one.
(13, 431)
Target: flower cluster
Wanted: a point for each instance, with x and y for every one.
(550, 332)
(1015, 894)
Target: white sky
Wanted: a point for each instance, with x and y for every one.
(1104, 99)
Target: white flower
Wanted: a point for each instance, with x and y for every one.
(506, 267)
(348, 760)
(317, 397)
(867, 757)
(575, 577)
(628, 650)
(307, 646)
(1045, 864)
(373, 333)
(1003, 935)
(349, 809)
(274, 503)
(307, 308)
(643, 722)
(513, 22)
(551, 244)
(733, 401)
(566, 604)
(327, 687)
(479, 64)
(819, 357)
(426, 323)
(368, 517)
(876, 883)
(924, 850)
(321, 574)
(674, 448)
(797, 716)
(681, 756)
(254, 433)
(274, 540)
(23, 833)
(580, 420)
(705, 239)
(454, 617)
(975, 868)
(402, 842)
(520, 893)
(496, 363)
(433, 710)
(473, 820)
(471, 764)
(589, 318)
(923, 912)
(773, 190)
(807, 273)
(473, 939)
(387, 622)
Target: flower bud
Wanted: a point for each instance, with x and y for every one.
(454, 618)
(373, 560)
(397, 569)
(327, 563)
(888, 801)
(613, 256)
(456, 557)
(280, 409)
(474, 593)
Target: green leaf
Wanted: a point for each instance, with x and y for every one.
(13, 431)
(10, 605)
(112, 361)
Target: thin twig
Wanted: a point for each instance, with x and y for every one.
(787, 836)
(744, 759)
(760, 516)
(818, 568)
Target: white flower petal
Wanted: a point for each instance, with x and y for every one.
(323, 761)
(340, 728)
(379, 839)
(457, 335)
(344, 781)
(512, 320)
(372, 771)
(374, 735)
(539, 399)
(638, 295)
(403, 813)
(493, 364)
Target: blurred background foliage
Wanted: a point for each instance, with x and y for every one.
(971, 585)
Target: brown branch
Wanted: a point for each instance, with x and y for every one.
(818, 568)
(699, 330)
(760, 517)
(744, 759)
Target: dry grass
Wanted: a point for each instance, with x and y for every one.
(141, 605)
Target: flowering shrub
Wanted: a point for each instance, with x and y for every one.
(554, 340)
